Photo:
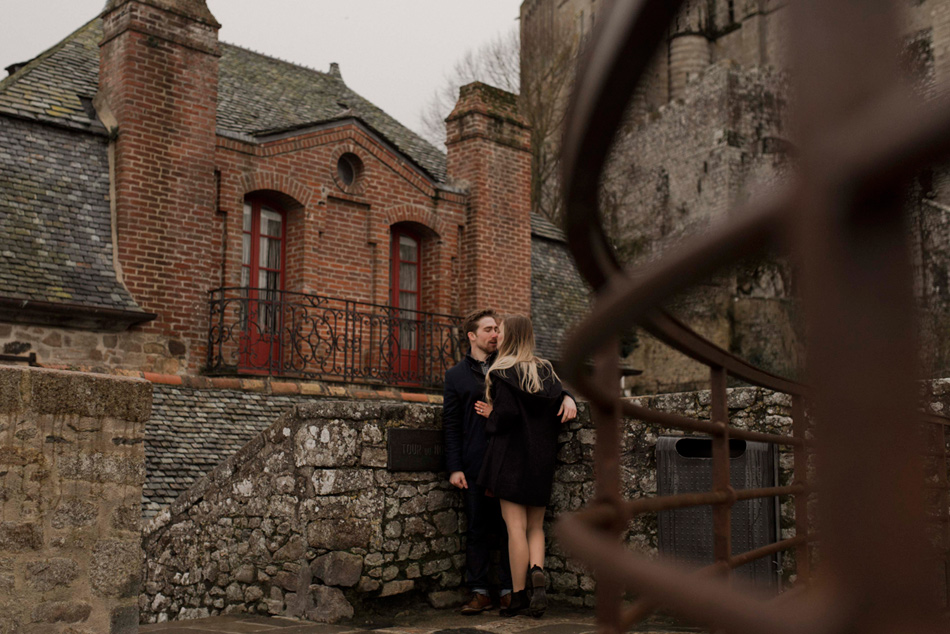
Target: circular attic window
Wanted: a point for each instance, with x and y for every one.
(349, 168)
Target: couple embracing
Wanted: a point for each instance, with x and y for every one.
(502, 409)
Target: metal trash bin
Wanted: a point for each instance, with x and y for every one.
(684, 465)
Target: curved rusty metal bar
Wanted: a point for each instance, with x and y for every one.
(712, 602)
(611, 72)
(847, 172)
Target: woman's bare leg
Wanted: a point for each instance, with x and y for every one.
(516, 519)
(535, 533)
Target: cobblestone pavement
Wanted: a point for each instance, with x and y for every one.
(423, 621)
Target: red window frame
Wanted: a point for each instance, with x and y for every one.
(405, 358)
(260, 340)
(396, 261)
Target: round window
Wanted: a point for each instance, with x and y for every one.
(349, 168)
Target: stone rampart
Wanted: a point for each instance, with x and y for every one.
(72, 466)
(307, 520)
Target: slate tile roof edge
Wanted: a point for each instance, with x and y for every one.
(96, 128)
(265, 385)
(36, 61)
(541, 227)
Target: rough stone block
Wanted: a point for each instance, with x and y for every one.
(338, 569)
(90, 395)
(127, 518)
(563, 581)
(19, 537)
(438, 500)
(433, 567)
(233, 593)
(245, 573)
(61, 612)
(339, 534)
(12, 456)
(446, 599)
(44, 576)
(116, 568)
(326, 444)
(14, 385)
(294, 549)
(330, 605)
(447, 522)
(286, 580)
(100, 467)
(336, 481)
(75, 513)
(368, 584)
(397, 587)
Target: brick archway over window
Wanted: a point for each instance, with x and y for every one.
(284, 185)
(416, 215)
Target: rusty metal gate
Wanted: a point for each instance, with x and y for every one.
(880, 495)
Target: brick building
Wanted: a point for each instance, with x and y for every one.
(175, 205)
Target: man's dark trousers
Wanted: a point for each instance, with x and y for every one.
(484, 525)
(465, 444)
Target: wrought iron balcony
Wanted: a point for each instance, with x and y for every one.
(279, 333)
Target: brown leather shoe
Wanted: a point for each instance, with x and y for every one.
(477, 604)
(505, 601)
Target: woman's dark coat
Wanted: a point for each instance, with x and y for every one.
(522, 439)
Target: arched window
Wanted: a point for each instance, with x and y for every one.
(262, 278)
(406, 267)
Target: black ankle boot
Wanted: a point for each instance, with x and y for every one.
(519, 603)
(539, 597)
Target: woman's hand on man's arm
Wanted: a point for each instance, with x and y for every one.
(568, 409)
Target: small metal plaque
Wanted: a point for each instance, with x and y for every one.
(415, 450)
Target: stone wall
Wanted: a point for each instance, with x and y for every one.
(102, 351)
(306, 519)
(71, 471)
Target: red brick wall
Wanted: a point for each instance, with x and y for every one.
(159, 75)
(488, 152)
(344, 245)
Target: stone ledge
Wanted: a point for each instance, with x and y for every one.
(55, 391)
(267, 385)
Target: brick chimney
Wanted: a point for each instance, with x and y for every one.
(488, 146)
(158, 86)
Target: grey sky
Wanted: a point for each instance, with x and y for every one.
(393, 52)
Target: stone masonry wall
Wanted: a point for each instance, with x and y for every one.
(72, 466)
(306, 519)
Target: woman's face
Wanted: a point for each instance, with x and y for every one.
(501, 333)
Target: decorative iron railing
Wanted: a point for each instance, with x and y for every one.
(279, 333)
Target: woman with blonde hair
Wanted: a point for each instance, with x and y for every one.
(523, 404)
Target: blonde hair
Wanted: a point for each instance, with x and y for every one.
(517, 351)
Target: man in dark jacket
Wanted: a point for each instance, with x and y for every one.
(465, 445)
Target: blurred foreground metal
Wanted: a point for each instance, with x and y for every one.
(880, 465)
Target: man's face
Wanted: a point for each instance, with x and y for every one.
(485, 337)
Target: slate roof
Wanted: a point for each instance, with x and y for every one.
(260, 95)
(55, 220)
(257, 95)
(559, 295)
(48, 87)
(193, 431)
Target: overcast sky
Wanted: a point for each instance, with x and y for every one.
(393, 52)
